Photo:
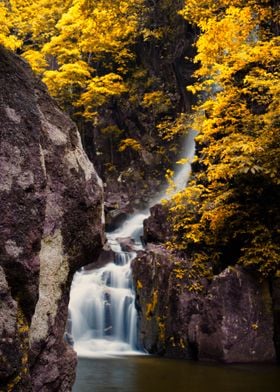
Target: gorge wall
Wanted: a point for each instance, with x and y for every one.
(234, 318)
(51, 225)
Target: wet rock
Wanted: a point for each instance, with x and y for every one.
(106, 256)
(127, 193)
(114, 219)
(68, 337)
(156, 227)
(116, 209)
(162, 321)
(127, 244)
(51, 225)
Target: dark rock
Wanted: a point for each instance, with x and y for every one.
(114, 219)
(127, 244)
(116, 209)
(162, 319)
(127, 193)
(230, 321)
(51, 208)
(156, 227)
(106, 256)
(276, 313)
(236, 324)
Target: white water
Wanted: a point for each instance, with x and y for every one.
(182, 174)
(102, 306)
(102, 301)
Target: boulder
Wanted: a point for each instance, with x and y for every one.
(156, 227)
(106, 256)
(236, 323)
(117, 209)
(127, 244)
(51, 225)
(114, 218)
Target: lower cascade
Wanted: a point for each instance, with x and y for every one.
(102, 301)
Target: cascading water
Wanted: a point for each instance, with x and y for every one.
(102, 301)
(102, 304)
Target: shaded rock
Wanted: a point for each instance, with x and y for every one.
(230, 321)
(106, 256)
(276, 313)
(51, 209)
(116, 209)
(156, 227)
(114, 219)
(236, 324)
(163, 311)
(127, 193)
(127, 244)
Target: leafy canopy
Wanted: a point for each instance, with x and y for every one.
(229, 212)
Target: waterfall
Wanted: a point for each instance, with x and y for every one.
(102, 304)
(102, 301)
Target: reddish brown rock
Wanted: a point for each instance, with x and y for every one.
(236, 324)
(156, 227)
(164, 311)
(233, 320)
(51, 208)
(106, 256)
(127, 244)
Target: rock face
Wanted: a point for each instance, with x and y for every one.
(236, 322)
(156, 227)
(164, 307)
(232, 320)
(276, 313)
(51, 224)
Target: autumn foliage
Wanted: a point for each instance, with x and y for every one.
(91, 56)
(229, 213)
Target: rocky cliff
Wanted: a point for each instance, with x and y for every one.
(51, 224)
(231, 317)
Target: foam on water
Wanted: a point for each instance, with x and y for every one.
(102, 308)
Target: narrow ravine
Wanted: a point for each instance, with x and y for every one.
(102, 301)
